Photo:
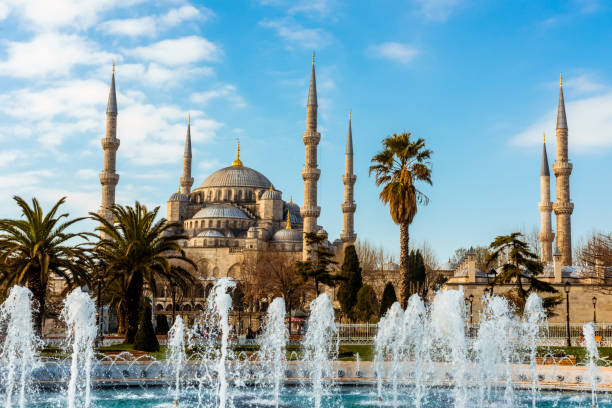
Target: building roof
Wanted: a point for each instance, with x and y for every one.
(271, 194)
(220, 211)
(237, 176)
(287, 235)
(211, 233)
(178, 196)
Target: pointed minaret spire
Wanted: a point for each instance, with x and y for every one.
(109, 178)
(348, 206)
(187, 180)
(310, 211)
(546, 235)
(561, 118)
(562, 168)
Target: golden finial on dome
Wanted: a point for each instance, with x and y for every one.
(291, 200)
(288, 226)
(271, 187)
(237, 162)
(179, 190)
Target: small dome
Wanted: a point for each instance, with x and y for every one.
(178, 197)
(287, 235)
(446, 266)
(211, 233)
(271, 194)
(237, 176)
(220, 211)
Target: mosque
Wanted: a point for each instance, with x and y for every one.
(236, 210)
(582, 285)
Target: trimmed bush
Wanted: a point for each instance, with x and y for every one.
(388, 298)
(162, 324)
(145, 339)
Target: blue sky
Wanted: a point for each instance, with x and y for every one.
(477, 79)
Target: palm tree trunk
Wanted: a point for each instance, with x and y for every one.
(132, 303)
(404, 268)
(38, 292)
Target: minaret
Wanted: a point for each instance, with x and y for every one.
(563, 168)
(187, 180)
(310, 211)
(546, 234)
(349, 206)
(110, 144)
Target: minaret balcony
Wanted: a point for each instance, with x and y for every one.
(562, 168)
(110, 144)
(348, 207)
(348, 237)
(310, 173)
(546, 236)
(311, 137)
(306, 212)
(109, 179)
(545, 207)
(563, 208)
(349, 179)
(186, 181)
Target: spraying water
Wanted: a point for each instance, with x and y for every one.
(389, 342)
(495, 347)
(79, 314)
(533, 319)
(415, 338)
(176, 354)
(219, 306)
(273, 342)
(448, 331)
(18, 357)
(319, 345)
(588, 331)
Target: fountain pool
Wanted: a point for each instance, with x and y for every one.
(345, 396)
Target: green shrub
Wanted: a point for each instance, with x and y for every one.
(145, 339)
(162, 324)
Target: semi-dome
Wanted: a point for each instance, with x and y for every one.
(220, 211)
(271, 194)
(178, 196)
(211, 233)
(287, 235)
(237, 176)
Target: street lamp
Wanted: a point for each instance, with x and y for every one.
(594, 309)
(101, 270)
(471, 299)
(567, 309)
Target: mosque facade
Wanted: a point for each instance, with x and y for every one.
(237, 211)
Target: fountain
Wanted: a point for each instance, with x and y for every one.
(390, 341)
(272, 346)
(588, 331)
(79, 314)
(19, 357)
(319, 347)
(176, 355)
(415, 337)
(533, 319)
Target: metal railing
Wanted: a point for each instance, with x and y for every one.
(554, 334)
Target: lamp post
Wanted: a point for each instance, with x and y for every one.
(594, 309)
(101, 270)
(173, 300)
(567, 309)
(471, 299)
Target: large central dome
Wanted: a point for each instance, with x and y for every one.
(237, 176)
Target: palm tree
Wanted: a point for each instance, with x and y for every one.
(398, 167)
(521, 267)
(35, 248)
(137, 251)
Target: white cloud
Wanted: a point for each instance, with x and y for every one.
(149, 25)
(42, 15)
(51, 54)
(437, 10)
(131, 27)
(394, 51)
(158, 75)
(296, 35)
(87, 174)
(180, 51)
(227, 92)
(4, 11)
(322, 8)
(589, 121)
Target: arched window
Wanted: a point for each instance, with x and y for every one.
(159, 307)
(187, 307)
